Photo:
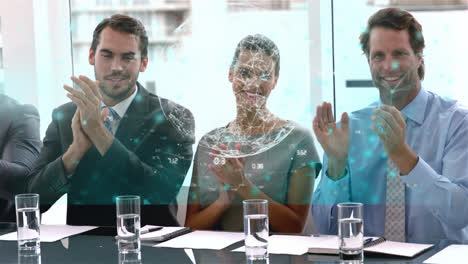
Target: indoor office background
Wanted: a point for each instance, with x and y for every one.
(43, 43)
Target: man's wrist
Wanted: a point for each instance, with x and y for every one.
(336, 168)
(71, 158)
(101, 137)
(336, 174)
(405, 159)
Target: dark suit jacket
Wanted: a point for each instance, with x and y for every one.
(149, 157)
(20, 144)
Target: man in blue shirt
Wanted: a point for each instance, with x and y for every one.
(423, 135)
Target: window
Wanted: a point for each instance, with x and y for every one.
(419, 5)
(151, 87)
(105, 3)
(441, 29)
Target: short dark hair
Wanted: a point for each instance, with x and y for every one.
(398, 19)
(125, 24)
(258, 43)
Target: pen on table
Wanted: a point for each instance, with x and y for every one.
(146, 231)
(367, 241)
(372, 242)
(151, 229)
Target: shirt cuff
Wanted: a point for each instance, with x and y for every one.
(340, 191)
(414, 179)
(346, 174)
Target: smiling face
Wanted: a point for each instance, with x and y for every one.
(117, 63)
(253, 78)
(393, 65)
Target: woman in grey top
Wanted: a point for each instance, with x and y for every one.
(256, 156)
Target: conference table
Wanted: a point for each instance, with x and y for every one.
(99, 246)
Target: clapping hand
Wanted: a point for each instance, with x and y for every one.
(88, 102)
(390, 126)
(229, 170)
(334, 140)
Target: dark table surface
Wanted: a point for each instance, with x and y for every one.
(92, 248)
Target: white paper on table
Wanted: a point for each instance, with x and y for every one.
(52, 233)
(450, 254)
(204, 240)
(295, 245)
(398, 248)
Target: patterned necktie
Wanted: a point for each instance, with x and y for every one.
(395, 205)
(111, 118)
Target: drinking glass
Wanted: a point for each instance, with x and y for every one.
(29, 258)
(128, 223)
(130, 258)
(256, 228)
(351, 231)
(28, 221)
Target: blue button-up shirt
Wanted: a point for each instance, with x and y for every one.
(436, 188)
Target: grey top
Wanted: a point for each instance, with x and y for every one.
(269, 170)
(20, 144)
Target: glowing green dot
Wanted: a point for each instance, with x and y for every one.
(367, 153)
(138, 98)
(254, 191)
(159, 118)
(58, 116)
(418, 35)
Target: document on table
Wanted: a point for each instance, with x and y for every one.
(450, 254)
(408, 250)
(296, 245)
(204, 240)
(383, 247)
(52, 233)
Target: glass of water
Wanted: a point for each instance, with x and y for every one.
(29, 259)
(28, 221)
(351, 230)
(130, 258)
(256, 228)
(128, 223)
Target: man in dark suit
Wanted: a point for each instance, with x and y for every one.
(20, 144)
(115, 138)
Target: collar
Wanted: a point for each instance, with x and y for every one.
(416, 109)
(122, 106)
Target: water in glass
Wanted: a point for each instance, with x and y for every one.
(128, 229)
(256, 235)
(351, 236)
(28, 220)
